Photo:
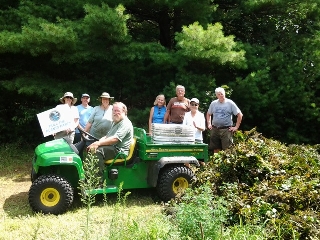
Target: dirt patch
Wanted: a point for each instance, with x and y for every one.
(14, 195)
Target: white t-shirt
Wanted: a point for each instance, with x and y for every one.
(74, 113)
(199, 121)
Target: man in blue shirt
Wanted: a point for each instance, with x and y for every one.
(85, 111)
(222, 110)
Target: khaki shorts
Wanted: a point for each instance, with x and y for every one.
(220, 138)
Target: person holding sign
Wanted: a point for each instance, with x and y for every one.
(67, 105)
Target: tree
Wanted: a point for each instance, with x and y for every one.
(263, 51)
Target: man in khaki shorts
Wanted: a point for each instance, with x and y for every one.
(221, 126)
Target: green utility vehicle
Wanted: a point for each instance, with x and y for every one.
(57, 169)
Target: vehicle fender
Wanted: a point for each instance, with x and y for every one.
(154, 168)
(58, 159)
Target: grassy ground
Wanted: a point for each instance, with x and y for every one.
(139, 216)
(17, 221)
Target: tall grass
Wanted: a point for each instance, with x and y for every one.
(134, 216)
(91, 181)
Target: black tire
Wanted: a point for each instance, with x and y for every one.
(173, 180)
(50, 194)
(33, 175)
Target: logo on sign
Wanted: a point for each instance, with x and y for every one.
(54, 115)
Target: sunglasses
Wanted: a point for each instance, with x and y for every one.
(69, 97)
(159, 111)
(194, 104)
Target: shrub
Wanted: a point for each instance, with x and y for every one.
(265, 181)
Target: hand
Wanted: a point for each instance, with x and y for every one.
(209, 126)
(93, 147)
(194, 124)
(233, 129)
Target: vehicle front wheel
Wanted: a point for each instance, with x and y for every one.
(173, 180)
(50, 194)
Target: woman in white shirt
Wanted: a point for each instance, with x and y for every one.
(196, 119)
(68, 102)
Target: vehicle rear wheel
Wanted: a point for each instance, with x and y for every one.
(50, 194)
(173, 180)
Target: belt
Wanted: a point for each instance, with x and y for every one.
(225, 127)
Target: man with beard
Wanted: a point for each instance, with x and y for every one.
(118, 139)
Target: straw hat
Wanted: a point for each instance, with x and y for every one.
(68, 94)
(105, 95)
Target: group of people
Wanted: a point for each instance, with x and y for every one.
(106, 122)
(181, 110)
(110, 124)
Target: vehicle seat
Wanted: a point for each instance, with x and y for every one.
(122, 158)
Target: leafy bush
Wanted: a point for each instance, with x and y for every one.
(266, 182)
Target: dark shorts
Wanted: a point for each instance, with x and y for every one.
(220, 138)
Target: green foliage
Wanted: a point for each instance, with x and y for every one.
(265, 51)
(194, 210)
(209, 44)
(90, 181)
(267, 182)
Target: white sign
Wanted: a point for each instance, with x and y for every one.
(55, 120)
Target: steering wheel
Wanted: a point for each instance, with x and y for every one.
(86, 134)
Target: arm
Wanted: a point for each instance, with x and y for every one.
(90, 120)
(88, 126)
(209, 121)
(150, 119)
(166, 116)
(79, 127)
(104, 141)
(239, 119)
(201, 123)
(76, 123)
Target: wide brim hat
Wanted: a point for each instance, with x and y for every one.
(105, 95)
(68, 94)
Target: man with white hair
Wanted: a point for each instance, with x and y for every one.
(118, 139)
(221, 125)
(177, 107)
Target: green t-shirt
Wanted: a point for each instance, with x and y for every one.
(123, 130)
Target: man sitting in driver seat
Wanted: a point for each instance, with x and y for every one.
(118, 139)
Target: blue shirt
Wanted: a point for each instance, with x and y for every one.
(84, 115)
(223, 112)
(158, 114)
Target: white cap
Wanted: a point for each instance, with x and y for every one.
(196, 100)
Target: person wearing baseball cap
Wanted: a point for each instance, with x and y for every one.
(85, 111)
(196, 119)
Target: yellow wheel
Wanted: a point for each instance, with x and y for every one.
(50, 197)
(179, 185)
(173, 180)
(50, 194)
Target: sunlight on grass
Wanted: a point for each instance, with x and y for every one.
(70, 225)
(115, 216)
